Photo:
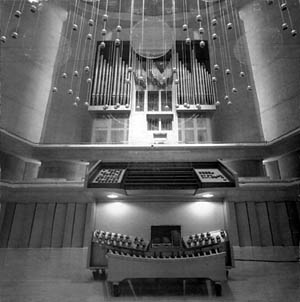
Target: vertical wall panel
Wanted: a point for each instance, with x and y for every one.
(7, 224)
(79, 224)
(253, 224)
(283, 222)
(293, 221)
(48, 226)
(243, 224)
(89, 223)
(21, 227)
(2, 214)
(232, 223)
(59, 225)
(275, 227)
(297, 204)
(68, 231)
(36, 237)
(264, 224)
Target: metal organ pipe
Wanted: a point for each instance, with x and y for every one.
(194, 77)
(210, 88)
(206, 86)
(122, 83)
(199, 84)
(102, 89)
(189, 86)
(203, 83)
(119, 78)
(181, 83)
(115, 74)
(100, 80)
(126, 87)
(94, 92)
(106, 84)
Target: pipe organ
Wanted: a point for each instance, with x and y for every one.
(182, 67)
(111, 86)
(156, 94)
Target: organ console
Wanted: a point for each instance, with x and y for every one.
(120, 256)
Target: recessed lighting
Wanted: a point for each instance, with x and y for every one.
(112, 196)
(207, 195)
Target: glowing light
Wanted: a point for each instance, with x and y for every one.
(112, 196)
(116, 208)
(202, 208)
(207, 195)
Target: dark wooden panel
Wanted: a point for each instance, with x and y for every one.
(283, 224)
(253, 224)
(243, 224)
(79, 225)
(232, 224)
(7, 224)
(2, 213)
(89, 223)
(59, 225)
(48, 226)
(293, 221)
(68, 231)
(21, 227)
(275, 227)
(36, 237)
(264, 224)
(298, 209)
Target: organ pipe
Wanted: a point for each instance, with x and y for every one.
(194, 78)
(96, 80)
(115, 72)
(195, 85)
(122, 81)
(103, 82)
(100, 80)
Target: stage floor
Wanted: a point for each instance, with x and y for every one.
(60, 275)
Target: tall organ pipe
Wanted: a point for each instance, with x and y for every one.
(96, 79)
(99, 80)
(103, 82)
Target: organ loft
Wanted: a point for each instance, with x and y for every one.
(149, 150)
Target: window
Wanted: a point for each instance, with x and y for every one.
(157, 123)
(111, 130)
(166, 124)
(153, 124)
(166, 100)
(193, 129)
(140, 100)
(153, 100)
(160, 100)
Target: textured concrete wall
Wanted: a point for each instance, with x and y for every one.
(274, 56)
(27, 69)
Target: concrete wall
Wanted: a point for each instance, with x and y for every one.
(284, 167)
(18, 168)
(137, 218)
(274, 56)
(27, 68)
(69, 170)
